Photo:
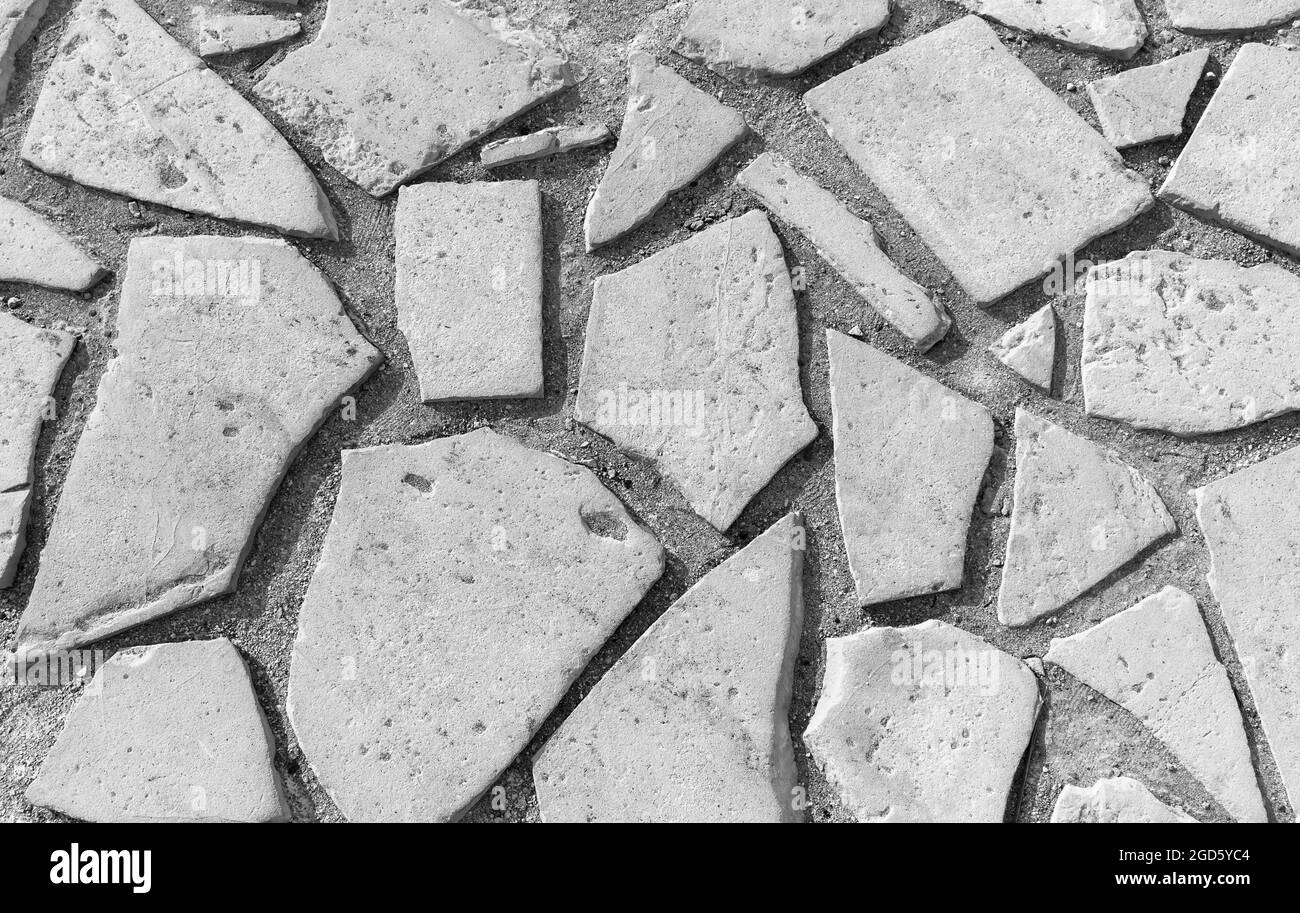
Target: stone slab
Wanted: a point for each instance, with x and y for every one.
(543, 144)
(1147, 104)
(1201, 17)
(1112, 27)
(33, 250)
(1029, 348)
(18, 21)
(227, 34)
(1114, 800)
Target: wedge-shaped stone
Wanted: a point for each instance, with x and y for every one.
(390, 88)
(18, 19)
(230, 353)
(975, 164)
(1157, 662)
(542, 144)
(1208, 16)
(1147, 104)
(909, 458)
(692, 361)
(33, 250)
(923, 724)
(691, 723)
(1113, 27)
(1079, 515)
(672, 132)
(170, 732)
(226, 34)
(463, 586)
(1251, 522)
(849, 245)
(1030, 348)
(1115, 800)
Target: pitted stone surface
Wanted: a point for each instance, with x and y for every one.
(1079, 515)
(692, 361)
(1208, 16)
(32, 250)
(126, 109)
(1030, 348)
(230, 353)
(225, 34)
(390, 88)
(910, 455)
(170, 732)
(1190, 346)
(672, 132)
(691, 724)
(542, 144)
(469, 287)
(1113, 27)
(463, 586)
(1147, 104)
(1157, 662)
(974, 165)
(18, 21)
(849, 245)
(923, 724)
(1114, 800)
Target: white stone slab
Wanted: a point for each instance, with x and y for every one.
(1147, 104)
(1113, 27)
(1200, 17)
(18, 20)
(1114, 800)
(226, 34)
(543, 144)
(1029, 348)
(33, 250)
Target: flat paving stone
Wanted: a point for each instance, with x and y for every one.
(1147, 104)
(18, 21)
(463, 586)
(910, 456)
(1190, 346)
(691, 724)
(1114, 800)
(390, 88)
(231, 352)
(1029, 348)
(922, 724)
(1209, 16)
(33, 250)
(1080, 514)
(1251, 522)
(1112, 27)
(226, 34)
(1157, 662)
(974, 165)
(543, 144)
(672, 132)
(469, 287)
(849, 245)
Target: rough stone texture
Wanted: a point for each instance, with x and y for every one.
(390, 88)
(910, 455)
(751, 39)
(1238, 169)
(1115, 800)
(32, 250)
(1190, 346)
(215, 387)
(1209, 16)
(469, 287)
(672, 132)
(1157, 662)
(542, 144)
(1113, 27)
(923, 724)
(225, 34)
(1251, 521)
(691, 724)
(1079, 515)
(692, 361)
(463, 586)
(849, 245)
(974, 165)
(1147, 104)
(126, 109)
(1030, 348)
(170, 732)
(18, 20)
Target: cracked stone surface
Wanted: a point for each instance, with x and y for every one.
(690, 725)
(922, 724)
(672, 132)
(1080, 514)
(1114, 800)
(18, 21)
(231, 352)
(463, 586)
(127, 109)
(973, 165)
(543, 144)
(1029, 349)
(849, 245)
(34, 251)
(692, 361)
(1190, 346)
(1209, 16)
(469, 287)
(1112, 27)
(390, 88)
(1157, 662)
(225, 34)
(170, 732)
(1251, 522)
(1147, 104)
(910, 455)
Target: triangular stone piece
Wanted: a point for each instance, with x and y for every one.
(226, 34)
(1113, 27)
(18, 19)
(1115, 800)
(1147, 104)
(32, 250)
(1030, 348)
(691, 723)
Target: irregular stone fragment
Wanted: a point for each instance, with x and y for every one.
(542, 144)
(910, 455)
(975, 165)
(463, 586)
(1190, 346)
(1079, 515)
(1251, 522)
(1207, 16)
(18, 19)
(1147, 104)
(1113, 27)
(922, 724)
(226, 34)
(1238, 169)
(691, 724)
(672, 132)
(1030, 348)
(692, 361)
(230, 354)
(32, 250)
(469, 287)
(849, 245)
(390, 88)
(1156, 661)
(1114, 800)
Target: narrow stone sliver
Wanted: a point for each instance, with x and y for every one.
(18, 21)
(1147, 104)
(543, 144)
(1114, 800)
(34, 251)
(1207, 17)
(1112, 27)
(1029, 348)
(226, 34)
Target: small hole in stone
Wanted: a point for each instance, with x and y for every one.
(603, 523)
